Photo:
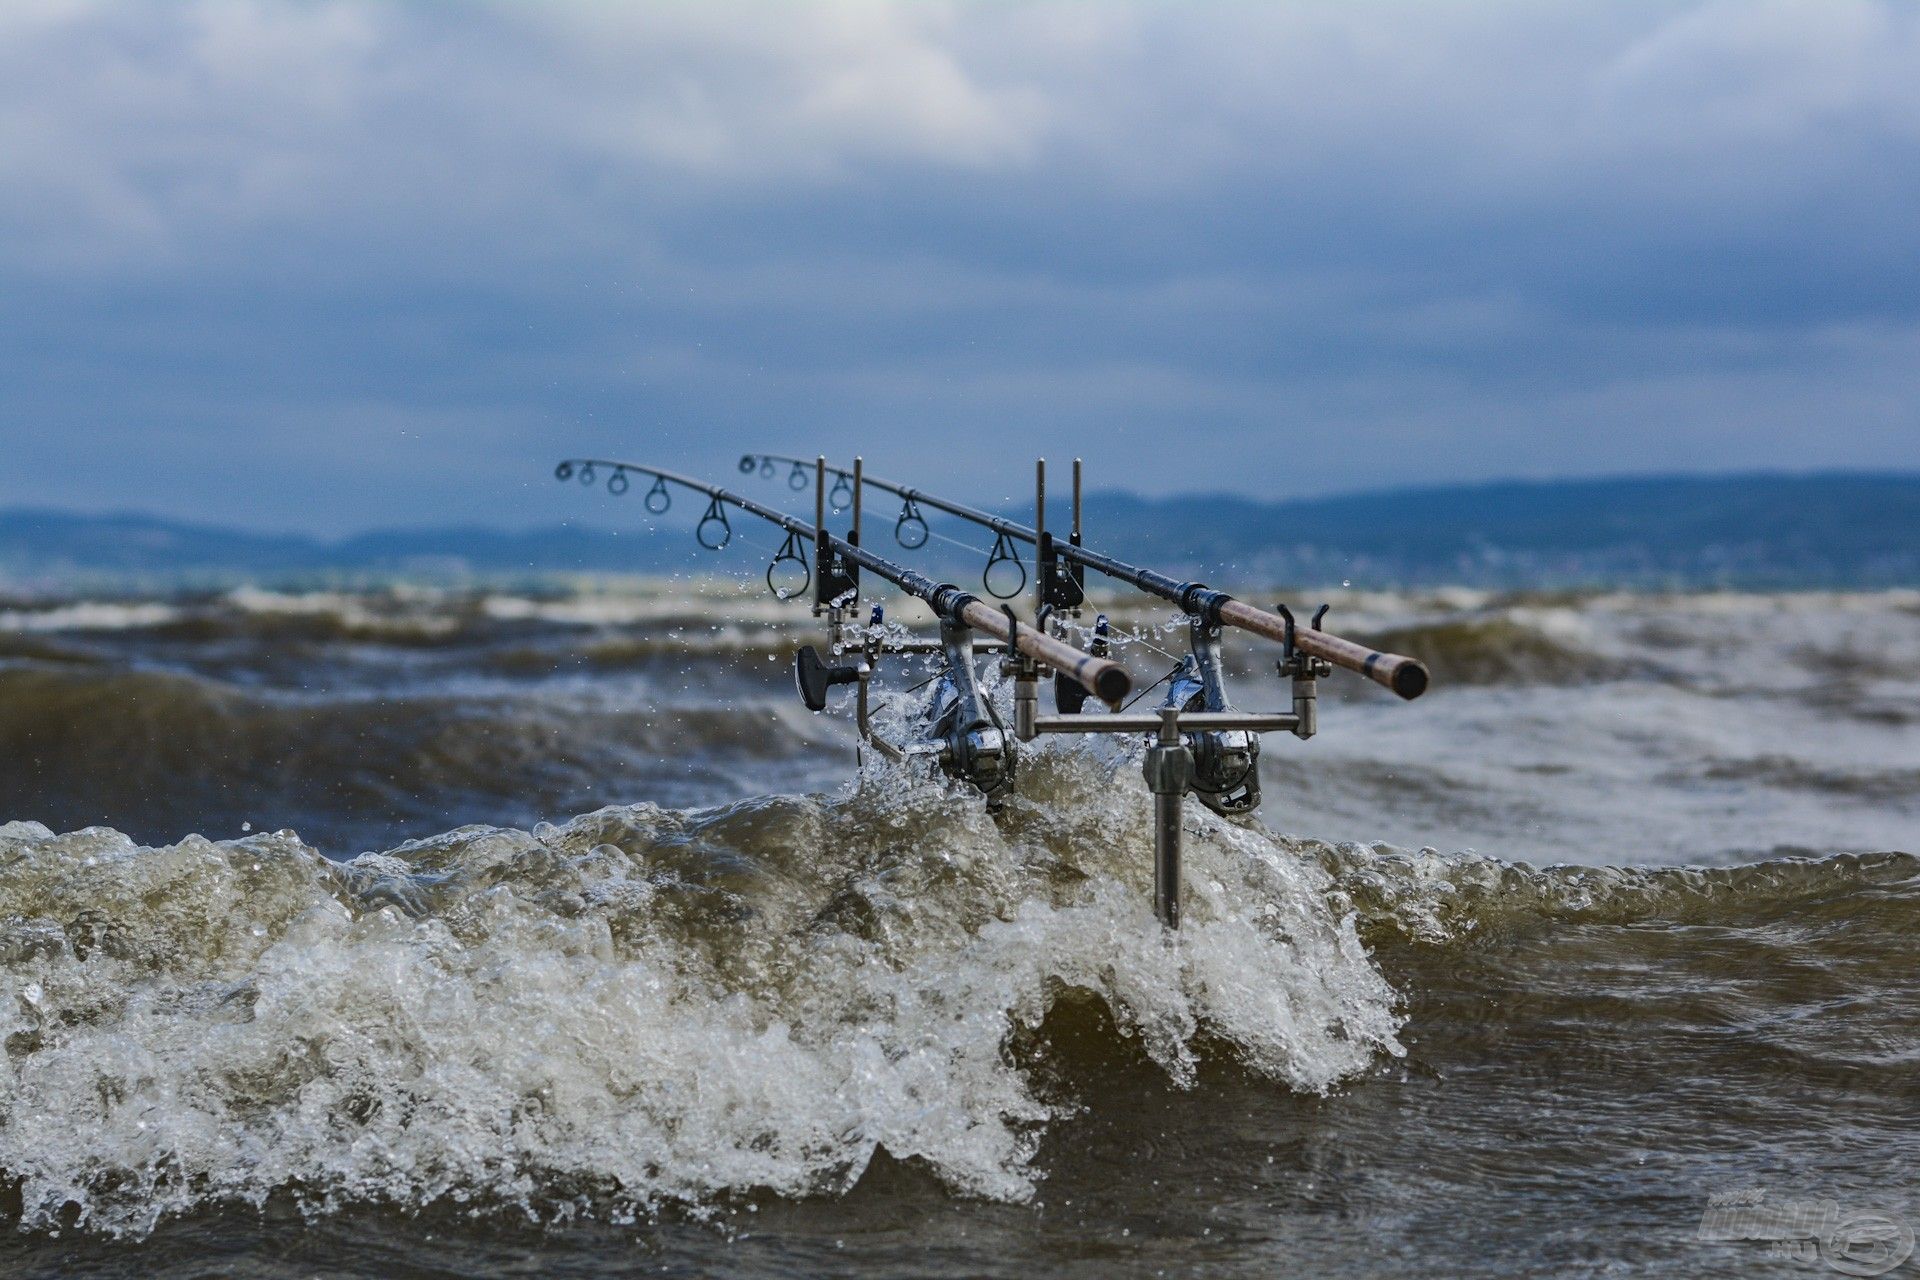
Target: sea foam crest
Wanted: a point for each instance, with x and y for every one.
(641, 1007)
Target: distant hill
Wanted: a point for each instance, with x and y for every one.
(1745, 530)
(1842, 530)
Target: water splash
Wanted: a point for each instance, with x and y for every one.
(638, 1008)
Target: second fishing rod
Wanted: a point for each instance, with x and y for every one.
(1059, 579)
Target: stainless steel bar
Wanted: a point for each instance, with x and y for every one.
(1076, 502)
(1192, 721)
(933, 646)
(1167, 807)
(1168, 767)
(820, 495)
(1040, 532)
(820, 540)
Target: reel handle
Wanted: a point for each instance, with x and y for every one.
(814, 677)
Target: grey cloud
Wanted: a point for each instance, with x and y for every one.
(250, 249)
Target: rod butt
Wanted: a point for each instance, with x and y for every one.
(1410, 680)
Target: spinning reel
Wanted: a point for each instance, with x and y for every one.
(958, 727)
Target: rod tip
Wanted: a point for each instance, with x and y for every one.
(1410, 679)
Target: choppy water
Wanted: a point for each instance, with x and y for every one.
(354, 994)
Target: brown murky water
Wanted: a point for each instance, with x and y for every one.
(756, 1014)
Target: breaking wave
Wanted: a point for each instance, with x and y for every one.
(1497, 650)
(638, 1009)
(178, 751)
(1429, 898)
(646, 1009)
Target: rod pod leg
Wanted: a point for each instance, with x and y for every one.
(1169, 770)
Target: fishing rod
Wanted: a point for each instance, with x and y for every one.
(1200, 744)
(963, 731)
(1406, 676)
(1224, 760)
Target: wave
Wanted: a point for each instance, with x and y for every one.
(647, 1009)
(638, 1009)
(1791, 773)
(416, 617)
(178, 752)
(33, 648)
(1495, 650)
(1445, 900)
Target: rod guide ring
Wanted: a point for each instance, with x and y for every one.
(910, 530)
(716, 515)
(1003, 552)
(790, 553)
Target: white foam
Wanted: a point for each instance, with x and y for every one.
(638, 1008)
(88, 615)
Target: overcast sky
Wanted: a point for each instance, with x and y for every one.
(326, 266)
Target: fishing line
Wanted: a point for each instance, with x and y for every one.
(1137, 638)
(964, 546)
(923, 684)
(1125, 638)
(1155, 685)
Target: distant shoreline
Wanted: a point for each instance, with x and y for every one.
(1843, 530)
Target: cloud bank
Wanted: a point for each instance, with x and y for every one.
(329, 264)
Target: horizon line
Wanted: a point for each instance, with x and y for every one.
(124, 514)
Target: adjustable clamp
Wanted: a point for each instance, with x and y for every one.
(1025, 672)
(1069, 697)
(1305, 671)
(836, 577)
